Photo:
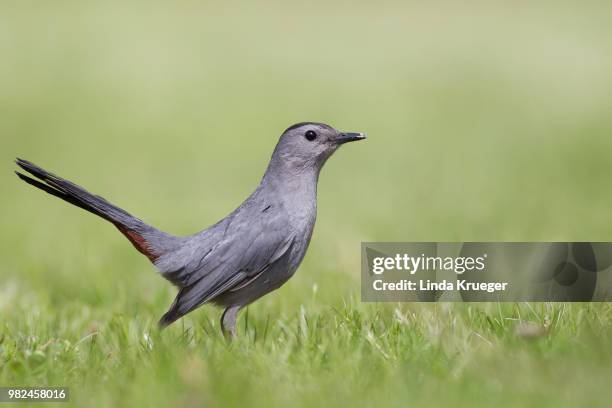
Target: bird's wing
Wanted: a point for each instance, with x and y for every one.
(240, 243)
(246, 249)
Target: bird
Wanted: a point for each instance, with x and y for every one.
(246, 255)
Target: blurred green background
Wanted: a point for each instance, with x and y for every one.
(485, 121)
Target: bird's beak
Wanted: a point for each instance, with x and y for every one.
(349, 137)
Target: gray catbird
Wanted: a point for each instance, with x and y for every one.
(246, 255)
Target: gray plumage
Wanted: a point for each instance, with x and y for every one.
(246, 255)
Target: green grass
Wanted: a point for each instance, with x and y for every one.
(359, 354)
(485, 121)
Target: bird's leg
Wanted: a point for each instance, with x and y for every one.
(228, 322)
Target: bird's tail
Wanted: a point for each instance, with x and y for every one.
(146, 239)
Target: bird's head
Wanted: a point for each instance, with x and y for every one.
(308, 145)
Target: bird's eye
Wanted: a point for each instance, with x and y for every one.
(310, 135)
